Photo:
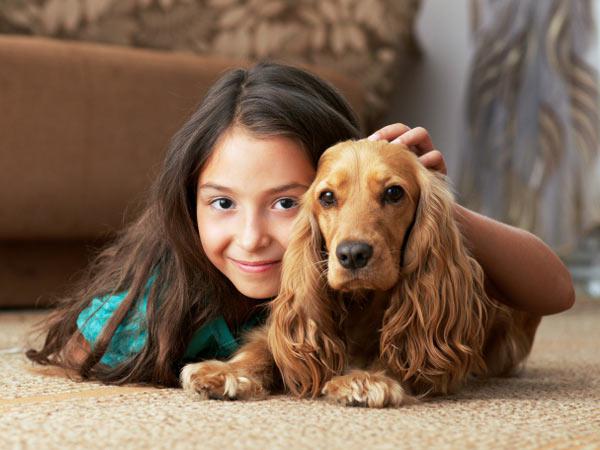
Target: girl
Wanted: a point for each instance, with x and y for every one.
(195, 270)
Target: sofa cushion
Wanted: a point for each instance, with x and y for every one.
(85, 128)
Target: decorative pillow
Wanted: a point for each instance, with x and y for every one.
(368, 40)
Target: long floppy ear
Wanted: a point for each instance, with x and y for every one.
(302, 332)
(434, 329)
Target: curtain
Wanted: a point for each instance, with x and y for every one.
(531, 154)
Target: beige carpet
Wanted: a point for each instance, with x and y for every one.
(554, 404)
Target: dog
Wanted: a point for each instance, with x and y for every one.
(380, 304)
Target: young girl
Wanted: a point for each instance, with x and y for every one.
(195, 270)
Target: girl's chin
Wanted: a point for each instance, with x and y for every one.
(259, 292)
(259, 296)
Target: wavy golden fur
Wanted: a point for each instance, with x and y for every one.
(380, 299)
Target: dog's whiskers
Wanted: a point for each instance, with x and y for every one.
(322, 269)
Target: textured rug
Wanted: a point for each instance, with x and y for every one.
(553, 404)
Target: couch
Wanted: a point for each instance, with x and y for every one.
(84, 128)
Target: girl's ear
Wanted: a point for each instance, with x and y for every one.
(433, 330)
(302, 332)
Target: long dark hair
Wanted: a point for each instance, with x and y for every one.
(267, 99)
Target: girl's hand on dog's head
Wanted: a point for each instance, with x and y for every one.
(434, 160)
(419, 142)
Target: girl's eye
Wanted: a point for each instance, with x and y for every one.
(287, 203)
(221, 203)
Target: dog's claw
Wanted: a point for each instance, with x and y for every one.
(366, 389)
(219, 380)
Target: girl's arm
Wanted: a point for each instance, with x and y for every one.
(521, 270)
(76, 350)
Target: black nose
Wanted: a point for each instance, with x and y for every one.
(353, 254)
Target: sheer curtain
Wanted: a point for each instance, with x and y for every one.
(531, 154)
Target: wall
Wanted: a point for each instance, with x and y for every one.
(432, 93)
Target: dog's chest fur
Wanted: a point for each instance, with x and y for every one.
(361, 327)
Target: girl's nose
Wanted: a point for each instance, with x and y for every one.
(255, 233)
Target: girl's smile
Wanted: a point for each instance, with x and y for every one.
(248, 197)
(258, 267)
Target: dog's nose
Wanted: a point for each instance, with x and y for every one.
(353, 254)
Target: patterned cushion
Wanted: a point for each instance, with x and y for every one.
(368, 40)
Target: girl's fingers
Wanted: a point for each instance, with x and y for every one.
(434, 160)
(389, 132)
(417, 140)
(417, 137)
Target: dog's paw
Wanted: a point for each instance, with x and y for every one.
(361, 388)
(220, 380)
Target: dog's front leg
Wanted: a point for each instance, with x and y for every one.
(248, 375)
(372, 388)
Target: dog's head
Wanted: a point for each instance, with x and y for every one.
(364, 199)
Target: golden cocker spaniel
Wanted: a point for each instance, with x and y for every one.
(380, 302)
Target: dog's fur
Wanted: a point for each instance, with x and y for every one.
(416, 320)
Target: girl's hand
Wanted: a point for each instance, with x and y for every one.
(417, 139)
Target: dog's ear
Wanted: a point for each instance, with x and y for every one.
(433, 330)
(302, 331)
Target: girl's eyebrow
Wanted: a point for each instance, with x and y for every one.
(275, 190)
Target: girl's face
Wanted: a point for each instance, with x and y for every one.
(248, 195)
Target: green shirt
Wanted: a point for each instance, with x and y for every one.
(213, 340)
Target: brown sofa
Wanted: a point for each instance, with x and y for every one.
(83, 131)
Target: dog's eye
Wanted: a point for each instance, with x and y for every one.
(327, 199)
(393, 194)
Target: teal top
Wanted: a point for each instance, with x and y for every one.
(213, 340)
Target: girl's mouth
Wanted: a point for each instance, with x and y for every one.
(255, 267)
